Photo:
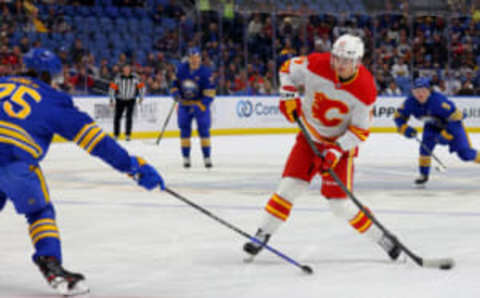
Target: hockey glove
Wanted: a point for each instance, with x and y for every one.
(409, 132)
(444, 137)
(3, 201)
(330, 160)
(290, 103)
(145, 175)
(176, 96)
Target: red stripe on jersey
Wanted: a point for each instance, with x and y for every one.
(289, 88)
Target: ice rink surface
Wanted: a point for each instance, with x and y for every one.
(132, 243)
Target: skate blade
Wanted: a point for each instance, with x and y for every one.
(80, 290)
(249, 259)
(420, 186)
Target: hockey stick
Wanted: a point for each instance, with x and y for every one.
(441, 167)
(305, 268)
(443, 263)
(166, 122)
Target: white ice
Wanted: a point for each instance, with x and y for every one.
(132, 243)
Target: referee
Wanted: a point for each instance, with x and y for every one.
(124, 91)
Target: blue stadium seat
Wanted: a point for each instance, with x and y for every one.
(169, 23)
(97, 10)
(69, 10)
(146, 22)
(42, 9)
(112, 11)
(91, 21)
(104, 3)
(158, 32)
(126, 11)
(139, 12)
(84, 10)
(121, 22)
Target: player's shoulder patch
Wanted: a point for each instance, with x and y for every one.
(446, 106)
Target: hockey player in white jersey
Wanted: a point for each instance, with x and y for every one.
(336, 110)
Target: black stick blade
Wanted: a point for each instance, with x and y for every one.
(443, 264)
(307, 269)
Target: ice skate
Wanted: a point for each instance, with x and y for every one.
(421, 181)
(64, 282)
(208, 162)
(253, 248)
(186, 162)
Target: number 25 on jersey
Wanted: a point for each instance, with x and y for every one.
(17, 94)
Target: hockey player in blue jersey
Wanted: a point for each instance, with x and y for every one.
(31, 112)
(442, 125)
(194, 90)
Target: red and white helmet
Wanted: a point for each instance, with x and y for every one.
(350, 47)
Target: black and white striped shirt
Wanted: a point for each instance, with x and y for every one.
(126, 87)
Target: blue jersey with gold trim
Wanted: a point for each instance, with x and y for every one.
(31, 112)
(194, 85)
(438, 109)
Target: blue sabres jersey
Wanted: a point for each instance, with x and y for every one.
(438, 108)
(31, 112)
(194, 85)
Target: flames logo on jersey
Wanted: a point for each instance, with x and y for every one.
(322, 105)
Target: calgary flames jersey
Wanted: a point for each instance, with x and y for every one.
(333, 111)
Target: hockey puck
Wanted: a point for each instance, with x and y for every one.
(307, 269)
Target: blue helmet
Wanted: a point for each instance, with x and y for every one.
(42, 60)
(421, 82)
(193, 51)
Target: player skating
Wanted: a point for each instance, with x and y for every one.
(30, 114)
(443, 125)
(339, 94)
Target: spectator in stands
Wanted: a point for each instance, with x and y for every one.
(468, 87)
(392, 90)
(105, 73)
(173, 11)
(82, 82)
(323, 43)
(63, 55)
(400, 69)
(24, 44)
(77, 52)
(453, 84)
(440, 87)
(255, 26)
(384, 77)
(158, 84)
(64, 82)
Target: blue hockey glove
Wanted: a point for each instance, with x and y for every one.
(410, 132)
(3, 201)
(444, 137)
(145, 175)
